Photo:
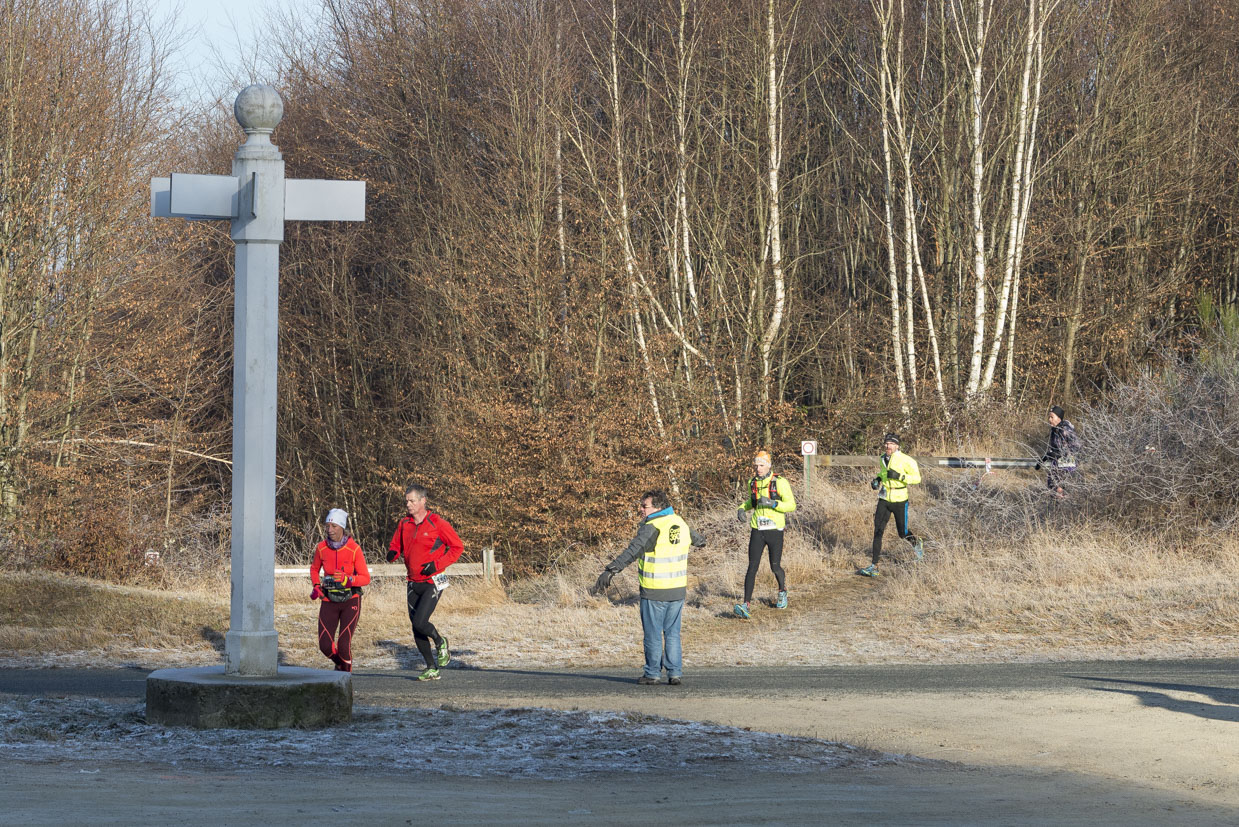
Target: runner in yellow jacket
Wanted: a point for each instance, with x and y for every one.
(765, 508)
(896, 471)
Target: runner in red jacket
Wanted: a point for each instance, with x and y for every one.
(344, 572)
(428, 544)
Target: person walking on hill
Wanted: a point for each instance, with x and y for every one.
(428, 544)
(896, 471)
(1061, 453)
(338, 573)
(661, 549)
(769, 501)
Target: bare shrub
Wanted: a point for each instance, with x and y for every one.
(1159, 458)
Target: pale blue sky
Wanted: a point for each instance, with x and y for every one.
(217, 38)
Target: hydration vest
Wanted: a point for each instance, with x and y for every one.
(773, 493)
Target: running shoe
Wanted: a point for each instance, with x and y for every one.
(646, 680)
(781, 603)
(431, 674)
(742, 610)
(442, 655)
(870, 571)
(919, 548)
(674, 681)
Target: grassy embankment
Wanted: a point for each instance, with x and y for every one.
(1009, 573)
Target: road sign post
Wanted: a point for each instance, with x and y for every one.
(808, 449)
(257, 200)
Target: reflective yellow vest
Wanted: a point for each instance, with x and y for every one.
(666, 567)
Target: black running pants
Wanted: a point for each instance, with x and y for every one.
(423, 597)
(760, 539)
(886, 509)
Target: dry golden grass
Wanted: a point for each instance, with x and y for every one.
(1049, 592)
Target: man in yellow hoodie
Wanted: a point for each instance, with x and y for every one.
(896, 471)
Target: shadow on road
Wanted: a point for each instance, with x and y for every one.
(1226, 708)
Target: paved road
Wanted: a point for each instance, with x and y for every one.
(1109, 742)
(1217, 677)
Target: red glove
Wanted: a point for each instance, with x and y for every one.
(315, 594)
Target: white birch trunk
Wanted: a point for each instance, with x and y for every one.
(1018, 202)
(774, 114)
(1008, 379)
(976, 51)
(883, 10)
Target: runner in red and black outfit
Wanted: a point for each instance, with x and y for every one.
(344, 572)
(428, 544)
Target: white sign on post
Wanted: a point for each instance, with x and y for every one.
(258, 200)
(808, 447)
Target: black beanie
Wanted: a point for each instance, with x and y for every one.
(891, 438)
(1057, 411)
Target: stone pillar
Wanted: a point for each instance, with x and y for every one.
(251, 645)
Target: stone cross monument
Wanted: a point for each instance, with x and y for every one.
(258, 200)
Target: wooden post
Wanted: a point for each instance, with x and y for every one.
(808, 450)
(488, 564)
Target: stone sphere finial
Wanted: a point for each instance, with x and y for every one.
(258, 109)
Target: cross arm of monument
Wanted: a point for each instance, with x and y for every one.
(204, 197)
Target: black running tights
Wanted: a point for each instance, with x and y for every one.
(423, 597)
(882, 516)
(760, 539)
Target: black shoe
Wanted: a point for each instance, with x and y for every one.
(676, 681)
(645, 681)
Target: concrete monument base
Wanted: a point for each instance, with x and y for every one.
(207, 698)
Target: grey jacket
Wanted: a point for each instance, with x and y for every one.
(642, 544)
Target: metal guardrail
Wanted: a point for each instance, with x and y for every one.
(814, 461)
(868, 460)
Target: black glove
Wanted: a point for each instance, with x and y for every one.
(766, 502)
(894, 475)
(392, 555)
(875, 483)
(1037, 467)
(604, 580)
(429, 568)
(742, 515)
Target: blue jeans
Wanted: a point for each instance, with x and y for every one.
(660, 619)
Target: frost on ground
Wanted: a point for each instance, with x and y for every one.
(537, 743)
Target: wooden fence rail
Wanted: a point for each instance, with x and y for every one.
(488, 568)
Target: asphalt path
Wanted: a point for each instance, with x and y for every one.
(1217, 677)
(1097, 742)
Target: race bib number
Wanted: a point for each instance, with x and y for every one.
(765, 522)
(440, 580)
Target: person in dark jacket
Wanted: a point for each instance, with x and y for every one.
(661, 549)
(1062, 453)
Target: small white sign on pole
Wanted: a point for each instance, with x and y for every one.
(808, 447)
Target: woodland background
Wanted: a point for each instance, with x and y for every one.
(608, 246)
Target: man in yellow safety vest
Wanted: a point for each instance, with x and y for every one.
(661, 549)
